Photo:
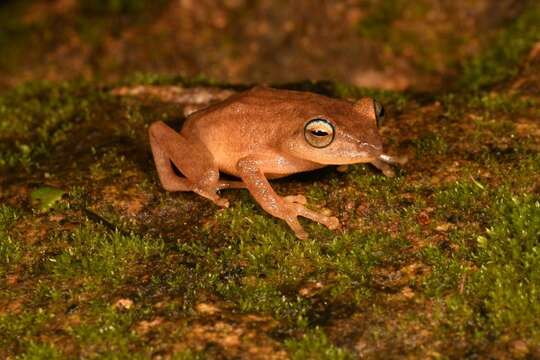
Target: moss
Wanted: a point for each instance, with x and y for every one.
(315, 345)
(38, 351)
(506, 286)
(501, 59)
(36, 117)
(10, 248)
(430, 144)
(492, 280)
(275, 265)
(188, 355)
(491, 104)
(377, 25)
(19, 331)
(107, 333)
(382, 273)
(107, 256)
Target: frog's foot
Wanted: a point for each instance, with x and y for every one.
(212, 196)
(384, 163)
(384, 167)
(287, 208)
(296, 199)
(393, 160)
(221, 202)
(330, 222)
(295, 226)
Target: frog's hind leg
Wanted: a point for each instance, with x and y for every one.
(231, 185)
(192, 158)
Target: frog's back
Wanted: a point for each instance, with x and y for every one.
(255, 122)
(262, 105)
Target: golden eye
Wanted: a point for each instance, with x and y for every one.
(319, 132)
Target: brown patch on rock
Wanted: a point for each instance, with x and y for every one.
(423, 218)
(129, 201)
(207, 309)
(145, 326)
(310, 289)
(236, 340)
(123, 304)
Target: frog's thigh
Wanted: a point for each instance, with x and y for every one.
(190, 157)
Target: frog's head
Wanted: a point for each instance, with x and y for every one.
(348, 135)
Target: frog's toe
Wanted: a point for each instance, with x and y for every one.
(221, 202)
(388, 172)
(298, 199)
(332, 223)
(297, 228)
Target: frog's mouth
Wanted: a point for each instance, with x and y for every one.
(367, 153)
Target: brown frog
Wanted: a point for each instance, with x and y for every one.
(266, 133)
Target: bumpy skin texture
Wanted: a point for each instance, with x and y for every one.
(260, 134)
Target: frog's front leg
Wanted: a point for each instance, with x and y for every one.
(384, 167)
(287, 209)
(384, 162)
(191, 157)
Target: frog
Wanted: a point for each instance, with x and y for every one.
(263, 134)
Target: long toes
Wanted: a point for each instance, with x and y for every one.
(297, 228)
(328, 221)
(221, 202)
(298, 199)
(389, 172)
(302, 235)
(332, 223)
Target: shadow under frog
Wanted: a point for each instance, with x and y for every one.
(265, 133)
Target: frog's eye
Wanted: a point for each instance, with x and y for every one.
(319, 132)
(379, 112)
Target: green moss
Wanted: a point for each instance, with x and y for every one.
(492, 280)
(106, 256)
(463, 200)
(487, 105)
(501, 59)
(447, 271)
(188, 355)
(275, 265)
(248, 262)
(107, 333)
(38, 116)
(40, 351)
(315, 345)
(430, 144)
(507, 284)
(10, 248)
(20, 330)
(377, 25)
(396, 99)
